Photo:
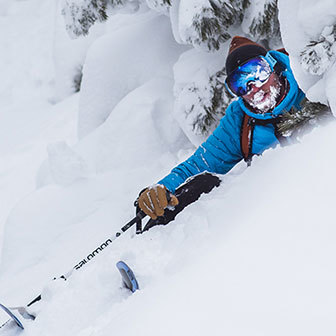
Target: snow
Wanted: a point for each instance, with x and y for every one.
(121, 61)
(25, 94)
(174, 14)
(65, 165)
(253, 257)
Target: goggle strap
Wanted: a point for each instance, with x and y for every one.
(228, 89)
(270, 60)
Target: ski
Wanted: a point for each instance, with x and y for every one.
(128, 278)
(12, 316)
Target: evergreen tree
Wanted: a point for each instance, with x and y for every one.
(297, 122)
(211, 22)
(319, 54)
(204, 103)
(80, 15)
(261, 21)
(159, 5)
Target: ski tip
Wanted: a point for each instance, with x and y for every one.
(12, 316)
(128, 276)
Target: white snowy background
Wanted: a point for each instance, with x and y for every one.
(255, 257)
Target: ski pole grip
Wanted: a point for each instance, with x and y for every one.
(168, 195)
(141, 214)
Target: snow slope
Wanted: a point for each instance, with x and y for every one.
(254, 257)
(123, 60)
(233, 263)
(29, 121)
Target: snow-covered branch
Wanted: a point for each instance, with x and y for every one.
(80, 15)
(319, 54)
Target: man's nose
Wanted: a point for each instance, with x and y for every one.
(252, 88)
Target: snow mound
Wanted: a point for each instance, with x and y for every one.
(148, 140)
(121, 61)
(66, 166)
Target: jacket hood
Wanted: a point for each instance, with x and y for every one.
(293, 97)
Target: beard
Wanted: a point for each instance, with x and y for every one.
(263, 101)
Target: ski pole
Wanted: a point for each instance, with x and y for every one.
(136, 220)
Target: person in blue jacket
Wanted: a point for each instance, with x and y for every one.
(265, 88)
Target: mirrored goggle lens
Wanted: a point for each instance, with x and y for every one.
(256, 70)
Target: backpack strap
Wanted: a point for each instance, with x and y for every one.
(246, 138)
(247, 131)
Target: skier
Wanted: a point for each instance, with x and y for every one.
(265, 88)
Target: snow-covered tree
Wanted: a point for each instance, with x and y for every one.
(296, 123)
(261, 21)
(161, 6)
(308, 30)
(202, 23)
(206, 23)
(209, 23)
(81, 15)
(203, 104)
(319, 54)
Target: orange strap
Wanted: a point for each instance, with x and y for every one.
(246, 138)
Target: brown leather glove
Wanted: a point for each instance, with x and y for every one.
(153, 200)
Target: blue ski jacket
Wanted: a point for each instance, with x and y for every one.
(222, 150)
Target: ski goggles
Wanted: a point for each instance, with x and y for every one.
(256, 70)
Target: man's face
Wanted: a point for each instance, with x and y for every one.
(264, 97)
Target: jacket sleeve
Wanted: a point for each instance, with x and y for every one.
(218, 154)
